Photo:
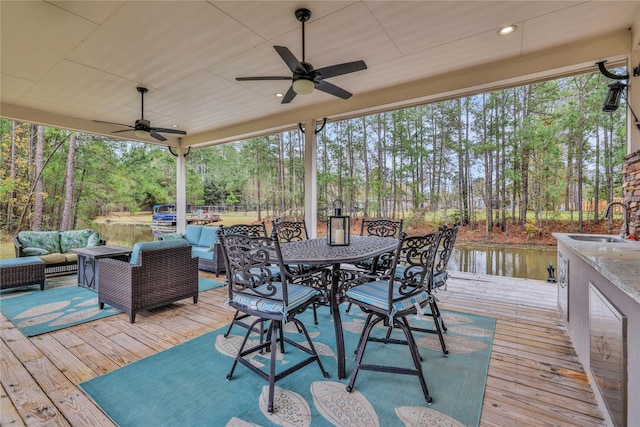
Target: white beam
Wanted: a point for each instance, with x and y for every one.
(311, 178)
(181, 191)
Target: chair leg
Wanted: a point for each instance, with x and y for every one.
(437, 312)
(315, 314)
(233, 322)
(366, 323)
(437, 320)
(413, 348)
(410, 342)
(273, 333)
(241, 349)
(362, 344)
(312, 348)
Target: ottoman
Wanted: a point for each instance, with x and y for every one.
(23, 271)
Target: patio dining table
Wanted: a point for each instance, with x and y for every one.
(319, 252)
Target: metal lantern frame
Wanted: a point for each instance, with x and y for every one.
(338, 227)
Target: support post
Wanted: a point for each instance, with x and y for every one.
(181, 191)
(311, 179)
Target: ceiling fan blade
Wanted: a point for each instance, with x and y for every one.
(244, 79)
(124, 130)
(288, 97)
(157, 136)
(291, 61)
(339, 69)
(332, 89)
(112, 123)
(164, 130)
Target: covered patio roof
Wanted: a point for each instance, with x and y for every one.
(68, 63)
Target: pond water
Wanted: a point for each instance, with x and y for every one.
(500, 260)
(529, 262)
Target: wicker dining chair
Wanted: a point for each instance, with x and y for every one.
(390, 299)
(254, 292)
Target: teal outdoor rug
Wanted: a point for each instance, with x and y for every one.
(186, 385)
(62, 304)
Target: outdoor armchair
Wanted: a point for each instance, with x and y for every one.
(158, 274)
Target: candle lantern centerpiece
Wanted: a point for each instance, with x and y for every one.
(338, 231)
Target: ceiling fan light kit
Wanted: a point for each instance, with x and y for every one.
(303, 86)
(305, 78)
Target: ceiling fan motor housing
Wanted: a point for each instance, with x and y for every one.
(143, 124)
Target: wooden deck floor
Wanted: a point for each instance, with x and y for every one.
(535, 378)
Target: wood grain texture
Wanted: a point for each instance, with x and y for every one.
(535, 378)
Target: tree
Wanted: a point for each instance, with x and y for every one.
(67, 222)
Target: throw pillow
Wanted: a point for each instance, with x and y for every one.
(93, 240)
(34, 251)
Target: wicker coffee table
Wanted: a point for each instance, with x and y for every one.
(88, 267)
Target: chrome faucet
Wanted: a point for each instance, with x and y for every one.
(624, 230)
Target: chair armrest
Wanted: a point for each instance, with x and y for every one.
(348, 278)
(17, 246)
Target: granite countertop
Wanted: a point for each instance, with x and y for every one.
(619, 262)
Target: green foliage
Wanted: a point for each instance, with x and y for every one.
(530, 148)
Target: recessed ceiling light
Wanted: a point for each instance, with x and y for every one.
(278, 95)
(175, 126)
(505, 31)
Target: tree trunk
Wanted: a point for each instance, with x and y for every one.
(38, 202)
(69, 185)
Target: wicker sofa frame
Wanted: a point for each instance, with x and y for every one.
(162, 276)
(65, 267)
(217, 265)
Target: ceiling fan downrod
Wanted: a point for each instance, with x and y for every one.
(303, 16)
(142, 91)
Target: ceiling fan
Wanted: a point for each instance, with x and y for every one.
(142, 127)
(305, 78)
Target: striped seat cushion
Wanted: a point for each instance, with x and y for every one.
(298, 295)
(376, 294)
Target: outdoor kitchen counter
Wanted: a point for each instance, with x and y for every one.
(618, 262)
(599, 301)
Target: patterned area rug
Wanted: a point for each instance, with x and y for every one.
(186, 385)
(60, 305)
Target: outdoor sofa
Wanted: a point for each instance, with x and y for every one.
(54, 247)
(204, 244)
(157, 274)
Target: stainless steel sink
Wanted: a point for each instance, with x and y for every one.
(595, 238)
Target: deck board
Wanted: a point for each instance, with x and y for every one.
(535, 378)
